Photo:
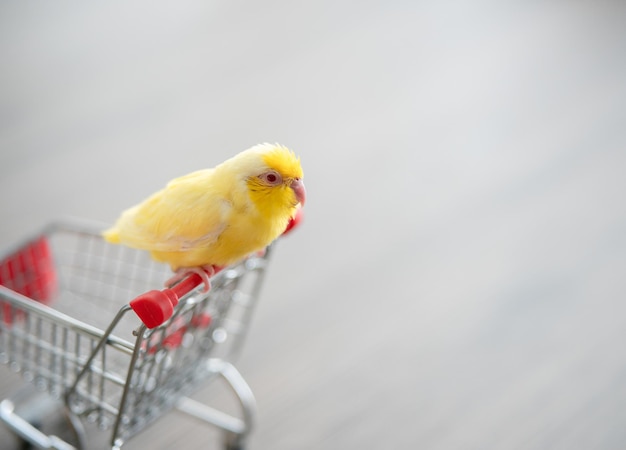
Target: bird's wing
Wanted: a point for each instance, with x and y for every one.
(188, 213)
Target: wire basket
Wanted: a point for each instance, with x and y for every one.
(66, 325)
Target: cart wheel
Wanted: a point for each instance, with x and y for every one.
(41, 421)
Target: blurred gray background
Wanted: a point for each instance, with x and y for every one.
(459, 280)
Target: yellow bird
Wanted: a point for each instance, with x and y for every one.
(216, 217)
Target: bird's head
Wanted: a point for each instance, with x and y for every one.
(275, 181)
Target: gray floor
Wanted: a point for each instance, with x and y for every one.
(459, 280)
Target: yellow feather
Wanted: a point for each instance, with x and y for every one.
(214, 216)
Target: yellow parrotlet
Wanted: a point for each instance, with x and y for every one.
(216, 217)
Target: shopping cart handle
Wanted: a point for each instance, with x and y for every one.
(294, 221)
(155, 307)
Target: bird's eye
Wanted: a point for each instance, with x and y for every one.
(272, 177)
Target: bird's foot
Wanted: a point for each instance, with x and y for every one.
(204, 272)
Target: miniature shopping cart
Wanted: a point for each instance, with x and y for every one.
(90, 325)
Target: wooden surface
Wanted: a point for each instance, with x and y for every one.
(459, 280)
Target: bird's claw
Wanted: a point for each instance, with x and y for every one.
(204, 272)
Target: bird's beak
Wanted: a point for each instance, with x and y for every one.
(298, 188)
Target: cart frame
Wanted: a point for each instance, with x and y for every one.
(123, 376)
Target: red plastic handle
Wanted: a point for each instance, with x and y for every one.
(155, 307)
(294, 221)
